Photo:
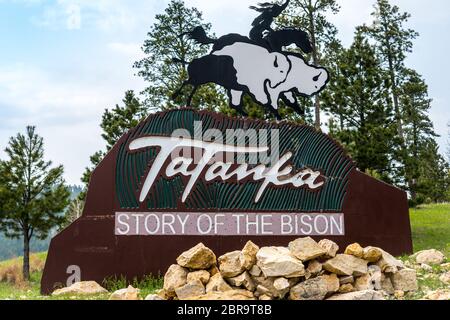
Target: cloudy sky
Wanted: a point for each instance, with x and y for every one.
(62, 62)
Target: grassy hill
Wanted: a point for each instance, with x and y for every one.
(430, 226)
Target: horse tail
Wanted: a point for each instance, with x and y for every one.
(199, 35)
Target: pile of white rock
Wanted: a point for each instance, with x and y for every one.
(430, 265)
(305, 270)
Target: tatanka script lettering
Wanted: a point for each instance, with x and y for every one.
(279, 174)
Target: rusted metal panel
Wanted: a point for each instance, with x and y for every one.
(374, 213)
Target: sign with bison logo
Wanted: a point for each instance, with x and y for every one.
(184, 176)
(171, 183)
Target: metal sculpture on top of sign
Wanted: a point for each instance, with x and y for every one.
(257, 65)
(184, 176)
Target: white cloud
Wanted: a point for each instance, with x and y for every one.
(33, 90)
(67, 103)
(231, 16)
(67, 112)
(353, 13)
(132, 51)
(106, 15)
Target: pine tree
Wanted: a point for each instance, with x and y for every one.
(418, 129)
(164, 76)
(310, 15)
(408, 92)
(333, 96)
(117, 121)
(34, 194)
(394, 42)
(358, 98)
(434, 179)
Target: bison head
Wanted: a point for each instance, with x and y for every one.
(308, 80)
(279, 69)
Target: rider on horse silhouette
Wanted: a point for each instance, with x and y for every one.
(205, 69)
(263, 22)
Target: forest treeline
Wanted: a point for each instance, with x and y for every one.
(376, 105)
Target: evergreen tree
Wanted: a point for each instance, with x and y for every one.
(33, 193)
(310, 15)
(120, 119)
(358, 98)
(333, 96)
(417, 127)
(394, 42)
(408, 92)
(164, 76)
(433, 184)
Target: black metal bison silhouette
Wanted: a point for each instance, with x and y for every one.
(257, 65)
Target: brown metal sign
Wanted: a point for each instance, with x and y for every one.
(182, 177)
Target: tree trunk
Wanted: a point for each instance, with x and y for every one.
(317, 123)
(398, 115)
(26, 256)
(412, 187)
(341, 121)
(413, 183)
(315, 57)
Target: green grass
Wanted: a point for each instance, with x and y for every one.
(430, 227)
(428, 281)
(23, 290)
(32, 290)
(147, 285)
(10, 292)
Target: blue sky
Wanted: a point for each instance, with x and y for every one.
(62, 62)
